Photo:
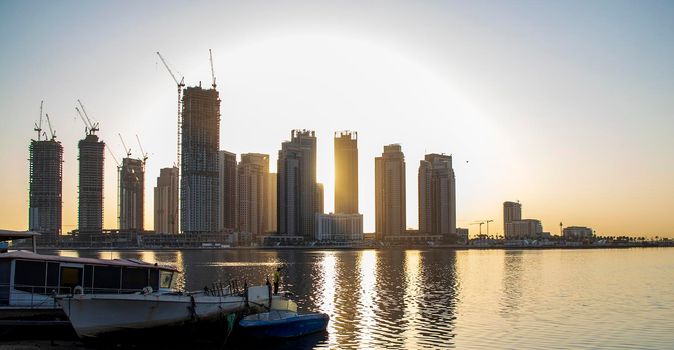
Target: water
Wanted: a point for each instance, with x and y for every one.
(531, 299)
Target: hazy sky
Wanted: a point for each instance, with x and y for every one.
(565, 106)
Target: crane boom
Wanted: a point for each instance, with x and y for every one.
(38, 127)
(51, 131)
(170, 71)
(141, 149)
(210, 54)
(93, 127)
(86, 126)
(180, 84)
(112, 154)
(127, 150)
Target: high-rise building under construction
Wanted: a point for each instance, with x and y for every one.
(45, 188)
(131, 195)
(90, 209)
(200, 142)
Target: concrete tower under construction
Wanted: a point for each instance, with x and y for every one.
(90, 209)
(131, 195)
(46, 188)
(200, 142)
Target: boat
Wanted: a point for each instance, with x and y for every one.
(283, 324)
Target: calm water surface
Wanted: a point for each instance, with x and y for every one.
(532, 299)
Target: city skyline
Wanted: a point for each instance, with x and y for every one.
(558, 133)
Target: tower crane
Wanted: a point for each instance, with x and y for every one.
(478, 223)
(487, 222)
(180, 84)
(210, 54)
(93, 127)
(87, 126)
(126, 149)
(142, 152)
(113, 155)
(52, 132)
(38, 127)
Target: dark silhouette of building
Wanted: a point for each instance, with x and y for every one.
(46, 188)
(299, 196)
(166, 201)
(437, 195)
(253, 183)
(346, 172)
(390, 197)
(200, 143)
(131, 195)
(91, 161)
(227, 202)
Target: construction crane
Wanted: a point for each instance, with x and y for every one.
(38, 127)
(487, 222)
(113, 155)
(92, 127)
(180, 84)
(126, 149)
(52, 132)
(142, 152)
(479, 223)
(210, 54)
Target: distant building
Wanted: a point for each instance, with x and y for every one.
(437, 195)
(346, 172)
(512, 211)
(270, 204)
(166, 201)
(253, 182)
(577, 233)
(524, 229)
(227, 192)
(131, 195)
(200, 143)
(45, 195)
(298, 192)
(462, 234)
(339, 227)
(90, 209)
(389, 183)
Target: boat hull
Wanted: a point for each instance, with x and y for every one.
(287, 327)
(98, 316)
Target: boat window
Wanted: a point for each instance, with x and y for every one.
(70, 278)
(106, 279)
(134, 279)
(29, 276)
(52, 276)
(166, 279)
(154, 279)
(88, 278)
(5, 269)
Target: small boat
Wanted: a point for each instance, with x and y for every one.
(283, 324)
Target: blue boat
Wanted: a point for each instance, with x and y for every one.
(283, 324)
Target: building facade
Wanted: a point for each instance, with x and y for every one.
(131, 198)
(437, 195)
(90, 208)
(390, 197)
(298, 192)
(346, 172)
(253, 182)
(45, 196)
(166, 201)
(200, 143)
(524, 229)
(271, 201)
(577, 232)
(339, 227)
(227, 192)
(512, 211)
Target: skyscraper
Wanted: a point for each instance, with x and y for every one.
(90, 209)
(297, 188)
(271, 202)
(200, 143)
(131, 195)
(437, 195)
(166, 201)
(45, 188)
(227, 202)
(390, 201)
(512, 211)
(346, 172)
(253, 182)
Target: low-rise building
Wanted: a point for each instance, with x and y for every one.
(339, 227)
(577, 232)
(521, 229)
(463, 235)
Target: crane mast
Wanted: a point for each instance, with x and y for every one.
(38, 127)
(180, 85)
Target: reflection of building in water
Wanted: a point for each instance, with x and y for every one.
(513, 270)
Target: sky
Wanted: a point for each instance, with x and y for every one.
(567, 107)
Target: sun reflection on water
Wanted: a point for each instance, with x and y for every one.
(367, 266)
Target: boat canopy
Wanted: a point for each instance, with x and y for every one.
(25, 255)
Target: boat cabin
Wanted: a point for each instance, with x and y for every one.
(27, 278)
